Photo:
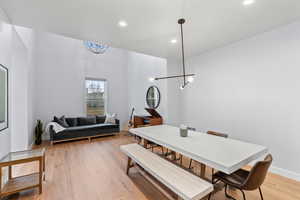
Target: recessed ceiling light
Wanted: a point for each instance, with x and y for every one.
(173, 41)
(122, 23)
(248, 2)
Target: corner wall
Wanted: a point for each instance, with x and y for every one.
(141, 67)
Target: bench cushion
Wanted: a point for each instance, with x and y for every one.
(181, 182)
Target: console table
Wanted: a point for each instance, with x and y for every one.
(20, 183)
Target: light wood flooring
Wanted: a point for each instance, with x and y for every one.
(96, 171)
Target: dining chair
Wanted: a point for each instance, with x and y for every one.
(244, 180)
(215, 134)
(150, 145)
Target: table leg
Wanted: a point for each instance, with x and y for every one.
(202, 173)
(0, 180)
(41, 175)
(44, 167)
(128, 165)
(10, 172)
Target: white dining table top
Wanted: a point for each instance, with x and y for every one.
(224, 154)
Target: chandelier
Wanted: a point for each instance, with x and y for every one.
(95, 47)
(187, 78)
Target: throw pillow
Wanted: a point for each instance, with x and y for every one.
(72, 121)
(110, 118)
(100, 119)
(61, 121)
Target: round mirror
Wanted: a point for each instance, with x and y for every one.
(153, 97)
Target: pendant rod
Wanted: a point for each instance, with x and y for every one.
(176, 76)
(181, 21)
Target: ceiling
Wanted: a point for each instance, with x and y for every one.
(153, 23)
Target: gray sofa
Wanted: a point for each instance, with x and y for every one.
(83, 127)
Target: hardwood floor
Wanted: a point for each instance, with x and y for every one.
(96, 171)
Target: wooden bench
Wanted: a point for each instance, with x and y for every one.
(184, 184)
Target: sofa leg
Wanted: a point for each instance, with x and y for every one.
(89, 139)
(51, 143)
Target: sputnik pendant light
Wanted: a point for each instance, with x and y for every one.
(184, 75)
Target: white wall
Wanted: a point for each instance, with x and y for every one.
(140, 68)
(5, 59)
(175, 113)
(28, 38)
(59, 77)
(21, 88)
(250, 90)
(19, 98)
(62, 64)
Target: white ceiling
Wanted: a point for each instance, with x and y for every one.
(153, 23)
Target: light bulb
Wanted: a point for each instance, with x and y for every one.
(173, 41)
(190, 79)
(151, 79)
(181, 87)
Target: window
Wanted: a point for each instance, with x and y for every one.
(95, 96)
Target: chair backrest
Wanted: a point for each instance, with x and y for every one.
(191, 129)
(258, 174)
(217, 134)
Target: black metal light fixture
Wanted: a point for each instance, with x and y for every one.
(184, 75)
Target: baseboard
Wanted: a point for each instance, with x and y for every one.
(286, 173)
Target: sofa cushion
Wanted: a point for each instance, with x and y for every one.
(94, 126)
(72, 121)
(82, 121)
(100, 119)
(61, 121)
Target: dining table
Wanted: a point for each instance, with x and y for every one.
(223, 154)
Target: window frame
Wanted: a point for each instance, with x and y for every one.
(105, 93)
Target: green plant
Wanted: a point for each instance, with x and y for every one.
(38, 132)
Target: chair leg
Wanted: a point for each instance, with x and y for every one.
(209, 196)
(261, 195)
(166, 154)
(227, 195)
(190, 163)
(244, 196)
(162, 150)
(180, 159)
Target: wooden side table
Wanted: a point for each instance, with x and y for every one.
(18, 184)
